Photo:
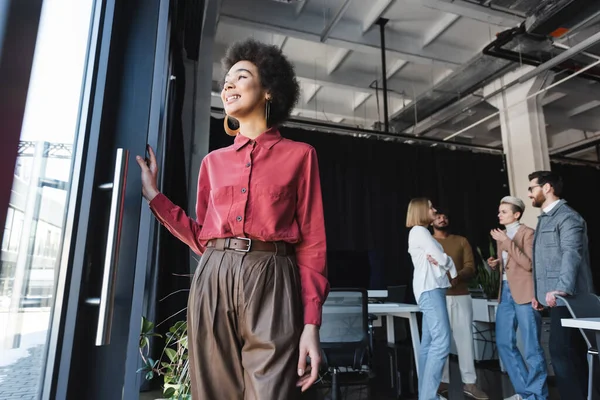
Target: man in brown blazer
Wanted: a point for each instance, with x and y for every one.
(515, 249)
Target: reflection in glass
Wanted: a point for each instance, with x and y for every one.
(32, 237)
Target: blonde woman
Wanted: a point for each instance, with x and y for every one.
(430, 280)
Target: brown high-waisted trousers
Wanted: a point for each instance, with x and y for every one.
(244, 326)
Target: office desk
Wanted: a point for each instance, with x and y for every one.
(400, 310)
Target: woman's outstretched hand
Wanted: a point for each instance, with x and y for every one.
(149, 169)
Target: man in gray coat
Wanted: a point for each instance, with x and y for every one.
(561, 266)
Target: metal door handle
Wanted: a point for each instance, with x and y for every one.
(106, 300)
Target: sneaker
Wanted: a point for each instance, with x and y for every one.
(514, 397)
(443, 391)
(474, 392)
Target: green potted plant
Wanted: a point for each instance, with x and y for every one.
(173, 364)
(486, 281)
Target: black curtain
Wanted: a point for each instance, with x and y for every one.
(578, 192)
(367, 185)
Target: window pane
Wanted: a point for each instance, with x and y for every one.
(33, 233)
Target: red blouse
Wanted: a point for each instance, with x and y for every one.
(267, 189)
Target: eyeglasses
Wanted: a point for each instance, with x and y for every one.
(530, 188)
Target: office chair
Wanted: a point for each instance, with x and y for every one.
(586, 305)
(344, 337)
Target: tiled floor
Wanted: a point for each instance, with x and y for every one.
(21, 379)
(495, 383)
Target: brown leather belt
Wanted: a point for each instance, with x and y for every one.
(247, 245)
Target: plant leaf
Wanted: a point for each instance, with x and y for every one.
(172, 354)
(147, 325)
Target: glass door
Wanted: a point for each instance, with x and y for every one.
(76, 243)
(34, 229)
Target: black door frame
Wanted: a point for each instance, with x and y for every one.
(124, 97)
(19, 22)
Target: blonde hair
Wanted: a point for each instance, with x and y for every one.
(418, 212)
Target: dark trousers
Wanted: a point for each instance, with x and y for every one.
(568, 351)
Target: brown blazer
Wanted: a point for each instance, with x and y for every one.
(518, 265)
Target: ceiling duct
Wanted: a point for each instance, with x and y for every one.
(531, 43)
(559, 17)
(536, 50)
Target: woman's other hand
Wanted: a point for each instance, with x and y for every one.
(432, 260)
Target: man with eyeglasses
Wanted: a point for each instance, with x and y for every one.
(561, 266)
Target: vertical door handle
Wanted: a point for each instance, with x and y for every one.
(106, 300)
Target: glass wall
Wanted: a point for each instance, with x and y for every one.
(32, 238)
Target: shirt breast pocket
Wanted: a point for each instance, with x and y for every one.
(549, 237)
(274, 208)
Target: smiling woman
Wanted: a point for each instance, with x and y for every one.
(256, 298)
(264, 77)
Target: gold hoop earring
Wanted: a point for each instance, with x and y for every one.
(232, 127)
(268, 111)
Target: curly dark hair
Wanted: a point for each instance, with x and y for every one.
(277, 75)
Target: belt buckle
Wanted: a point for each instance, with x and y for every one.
(249, 244)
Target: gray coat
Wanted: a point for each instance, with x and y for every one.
(561, 258)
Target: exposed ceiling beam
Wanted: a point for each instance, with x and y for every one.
(472, 11)
(556, 117)
(495, 143)
(439, 28)
(447, 113)
(342, 108)
(576, 146)
(300, 7)
(309, 111)
(279, 41)
(359, 99)
(590, 105)
(311, 91)
(338, 58)
(551, 97)
(345, 35)
(356, 81)
(334, 21)
(493, 125)
(378, 8)
(395, 68)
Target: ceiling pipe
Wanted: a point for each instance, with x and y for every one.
(431, 142)
(350, 130)
(585, 53)
(386, 118)
(555, 61)
(495, 49)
